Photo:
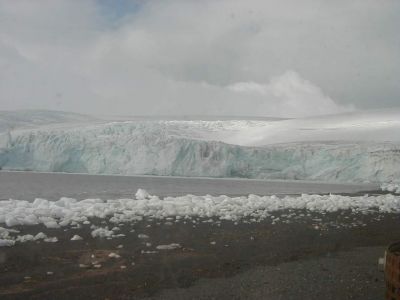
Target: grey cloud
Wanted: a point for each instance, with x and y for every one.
(183, 57)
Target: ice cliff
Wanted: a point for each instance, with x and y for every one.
(185, 148)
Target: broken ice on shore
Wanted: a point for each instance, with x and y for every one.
(68, 212)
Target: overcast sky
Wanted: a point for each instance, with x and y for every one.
(217, 57)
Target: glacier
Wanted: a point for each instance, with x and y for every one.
(366, 150)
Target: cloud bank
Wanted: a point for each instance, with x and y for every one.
(260, 58)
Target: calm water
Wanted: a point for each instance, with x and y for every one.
(52, 186)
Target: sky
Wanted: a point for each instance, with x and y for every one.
(285, 58)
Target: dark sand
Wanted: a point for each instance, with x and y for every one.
(304, 259)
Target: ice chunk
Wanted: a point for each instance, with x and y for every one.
(142, 194)
(4, 233)
(51, 240)
(143, 236)
(102, 233)
(76, 238)
(40, 236)
(114, 255)
(25, 238)
(391, 187)
(168, 247)
(6, 243)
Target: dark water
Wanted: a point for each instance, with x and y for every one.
(52, 186)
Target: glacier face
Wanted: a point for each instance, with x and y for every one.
(185, 148)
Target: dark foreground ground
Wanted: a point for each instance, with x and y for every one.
(305, 259)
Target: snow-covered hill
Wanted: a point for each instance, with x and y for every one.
(11, 120)
(367, 126)
(350, 147)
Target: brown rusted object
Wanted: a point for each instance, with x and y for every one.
(392, 272)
